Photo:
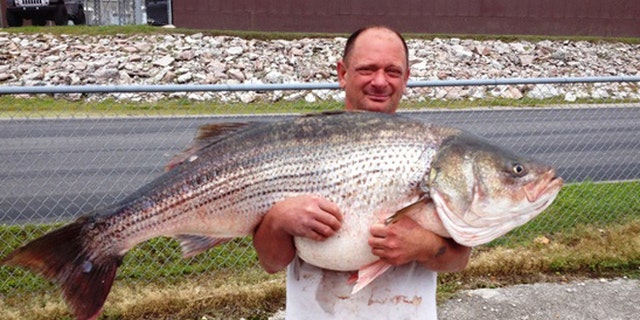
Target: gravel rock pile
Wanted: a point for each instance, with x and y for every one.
(45, 59)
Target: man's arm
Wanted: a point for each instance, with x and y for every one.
(406, 241)
(305, 216)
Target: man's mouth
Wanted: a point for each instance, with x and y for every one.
(378, 97)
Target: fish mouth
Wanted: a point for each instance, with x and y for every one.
(548, 183)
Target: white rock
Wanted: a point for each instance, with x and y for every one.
(600, 93)
(247, 97)
(185, 77)
(74, 79)
(164, 61)
(273, 77)
(310, 98)
(51, 59)
(107, 73)
(124, 77)
(461, 52)
(236, 74)
(570, 97)
(512, 93)
(526, 59)
(235, 51)
(543, 92)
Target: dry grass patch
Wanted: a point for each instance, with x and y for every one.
(252, 294)
(199, 301)
(584, 252)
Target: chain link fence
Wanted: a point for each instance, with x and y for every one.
(58, 165)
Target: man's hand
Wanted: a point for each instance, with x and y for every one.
(307, 216)
(300, 216)
(405, 241)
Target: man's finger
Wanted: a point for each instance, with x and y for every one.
(331, 208)
(378, 230)
(330, 221)
(325, 230)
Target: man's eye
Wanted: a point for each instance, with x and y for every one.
(394, 73)
(365, 72)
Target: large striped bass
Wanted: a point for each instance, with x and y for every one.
(373, 166)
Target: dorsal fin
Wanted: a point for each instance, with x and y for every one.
(213, 131)
(326, 113)
(205, 135)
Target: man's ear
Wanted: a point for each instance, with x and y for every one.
(406, 80)
(342, 71)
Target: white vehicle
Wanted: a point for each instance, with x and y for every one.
(39, 11)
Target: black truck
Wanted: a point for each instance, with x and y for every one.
(39, 11)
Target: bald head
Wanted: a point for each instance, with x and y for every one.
(378, 31)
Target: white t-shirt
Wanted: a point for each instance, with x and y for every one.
(403, 292)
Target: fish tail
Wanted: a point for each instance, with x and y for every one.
(64, 257)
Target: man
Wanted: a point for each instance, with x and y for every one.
(373, 72)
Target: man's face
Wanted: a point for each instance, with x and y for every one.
(375, 74)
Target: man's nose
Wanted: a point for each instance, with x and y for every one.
(379, 79)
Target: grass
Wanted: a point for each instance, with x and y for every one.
(49, 107)
(145, 29)
(46, 106)
(591, 230)
(130, 30)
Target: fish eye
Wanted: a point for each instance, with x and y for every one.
(518, 169)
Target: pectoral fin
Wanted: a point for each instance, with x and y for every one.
(396, 216)
(193, 244)
(368, 273)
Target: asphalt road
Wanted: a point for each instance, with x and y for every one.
(597, 299)
(54, 169)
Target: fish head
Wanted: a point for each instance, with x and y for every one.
(481, 191)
